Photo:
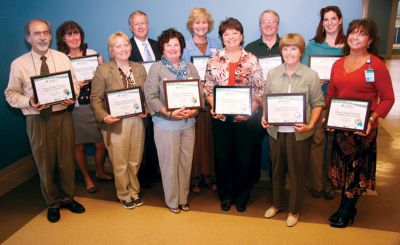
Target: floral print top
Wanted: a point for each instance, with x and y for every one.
(248, 73)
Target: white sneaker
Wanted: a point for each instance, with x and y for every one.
(292, 219)
(271, 212)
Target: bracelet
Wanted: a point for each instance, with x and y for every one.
(371, 119)
(170, 115)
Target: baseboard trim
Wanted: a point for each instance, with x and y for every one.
(25, 168)
(16, 174)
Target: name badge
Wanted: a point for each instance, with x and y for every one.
(369, 75)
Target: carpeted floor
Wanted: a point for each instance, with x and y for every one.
(106, 222)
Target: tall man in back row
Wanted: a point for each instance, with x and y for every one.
(145, 49)
(50, 130)
(266, 45)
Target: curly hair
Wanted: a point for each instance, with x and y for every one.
(168, 34)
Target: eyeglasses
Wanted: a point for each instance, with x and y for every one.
(72, 33)
(40, 33)
(269, 22)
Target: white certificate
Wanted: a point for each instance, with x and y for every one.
(322, 65)
(200, 62)
(85, 67)
(53, 88)
(232, 100)
(348, 114)
(286, 109)
(269, 62)
(147, 65)
(182, 93)
(124, 102)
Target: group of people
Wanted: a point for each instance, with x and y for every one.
(188, 142)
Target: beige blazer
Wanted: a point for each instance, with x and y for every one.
(107, 78)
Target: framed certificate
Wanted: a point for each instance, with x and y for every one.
(53, 88)
(286, 109)
(182, 93)
(84, 67)
(322, 64)
(200, 62)
(232, 100)
(348, 114)
(125, 102)
(269, 62)
(147, 65)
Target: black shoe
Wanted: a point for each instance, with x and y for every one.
(344, 218)
(226, 204)
(241, 207)
(329, 195)
(53, 214)
(347, 213)
(74, 207)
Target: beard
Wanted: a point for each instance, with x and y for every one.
(42, 46)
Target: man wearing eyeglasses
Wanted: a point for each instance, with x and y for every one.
(143, 48)
(49, 128)
(266, 45)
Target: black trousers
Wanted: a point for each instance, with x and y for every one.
(233, 152)
(149, 169)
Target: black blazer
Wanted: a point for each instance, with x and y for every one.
(135, 53)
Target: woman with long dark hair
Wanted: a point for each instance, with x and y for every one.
(360, 74)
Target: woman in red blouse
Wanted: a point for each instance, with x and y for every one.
(354, 154)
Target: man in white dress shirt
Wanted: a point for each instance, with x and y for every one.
(143, 48)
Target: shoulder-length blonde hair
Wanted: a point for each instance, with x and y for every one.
(199, 13)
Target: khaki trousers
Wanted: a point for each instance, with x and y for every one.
(125, 149)
(175, 154)
(52, 144)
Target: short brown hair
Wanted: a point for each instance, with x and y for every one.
(168, 34)
(292, 39)
(231, 23)
(199, 13)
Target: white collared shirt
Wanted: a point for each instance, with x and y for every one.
(141, 48)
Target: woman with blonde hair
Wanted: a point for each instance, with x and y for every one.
(124, 138)
(200, 23)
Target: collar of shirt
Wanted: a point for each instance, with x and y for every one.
(141, 48)
(299, 71)
(37, 62)
(222, 54)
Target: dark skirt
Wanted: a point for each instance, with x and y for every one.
(85, 126)
(353, 163)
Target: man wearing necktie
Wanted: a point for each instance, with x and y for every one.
(49, 128)
(145, 49)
